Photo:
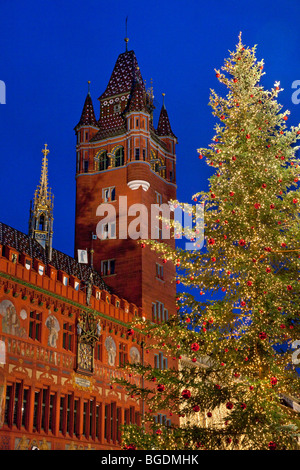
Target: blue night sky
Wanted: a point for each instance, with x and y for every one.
(50, 49)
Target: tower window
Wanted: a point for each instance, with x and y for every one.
(160, 362)
(159, 271)
(108, 230)
(136, 123)
(102, 161)
(109, 194)
(119, 157)
(137, 153)
(107, 267)
(158, 198)
(159, 312)
(85, 166)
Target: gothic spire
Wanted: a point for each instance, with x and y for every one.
(41, 210)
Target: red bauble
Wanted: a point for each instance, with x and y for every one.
(186, 394)
(262, 335)
(196, 408)
(272, 445)
(160, 387)
(242, 242)
(209, 414)
(229, 405)
(195, 347)
(273, 381)
(211, 241)
(130, 332)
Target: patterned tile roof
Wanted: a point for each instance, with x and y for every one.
(138, 98)
(164, 126)
(88, 115)
(123, 76)
(110, 126)
(24, 244)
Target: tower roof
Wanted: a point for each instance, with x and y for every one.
(138, 97)
(164, 126)
(124, 75)
(88, 115)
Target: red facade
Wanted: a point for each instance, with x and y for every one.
(63, 324)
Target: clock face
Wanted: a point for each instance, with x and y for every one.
(85, 357)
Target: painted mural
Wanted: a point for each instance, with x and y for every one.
(53, 326)
(11, 323)
(111, 349)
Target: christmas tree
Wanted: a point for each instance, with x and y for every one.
(236, 339)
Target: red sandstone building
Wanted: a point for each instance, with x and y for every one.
(63, 322)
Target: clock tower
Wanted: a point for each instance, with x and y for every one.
(126, 166)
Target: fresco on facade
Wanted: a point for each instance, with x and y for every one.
(134, 354)
(53, 326)
(11, 323)
(111, 349)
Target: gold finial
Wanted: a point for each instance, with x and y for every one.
(89, 82)
(45, 151)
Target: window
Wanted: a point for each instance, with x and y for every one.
(109, 194)
(158, 198)
(136, 123)
(85, 166)
(75, 416)
(118, 424)
(35, 326)
(137, 153)
(159, 271)
(98, 421)
(108, 230)
(117, 108)
(119, 157)
(86, 135)
(162, 419)
(98, 351)
(160, 362)
(106, 422)
(102, 161)
(68, 336)
(159, 312)
(144, 154)
(123, 359)
(108, 267)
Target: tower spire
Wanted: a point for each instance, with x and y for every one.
(126, 38)
(41, 211)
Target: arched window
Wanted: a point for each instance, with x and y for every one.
(119, 157)
(101, 161)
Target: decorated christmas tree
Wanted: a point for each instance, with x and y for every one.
(237, 339)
